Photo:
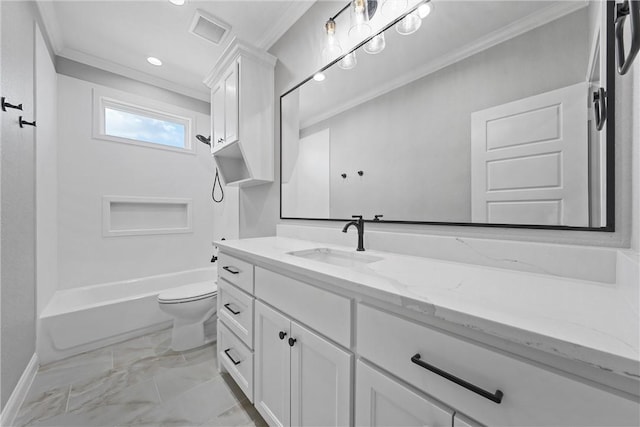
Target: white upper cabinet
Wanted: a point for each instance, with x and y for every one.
(242, 98)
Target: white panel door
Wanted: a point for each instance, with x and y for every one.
(529, 160)
(381, 401)
(320, 381)
(272, 366)
(231, 104)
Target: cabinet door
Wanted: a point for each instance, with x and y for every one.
(231, 104)
(217, 114)
(381, 401)
(320, 381)
(272, 366)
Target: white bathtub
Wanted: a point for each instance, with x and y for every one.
(82, 319)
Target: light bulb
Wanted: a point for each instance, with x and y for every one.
(348, 61)
(360, 27)
(154, 61)
(393, 8)
(375, 45)
(424, 9)
(409, 24)
(177, 2)
(332, 47)
(319, 76)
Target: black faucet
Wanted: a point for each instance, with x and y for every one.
(360, 227)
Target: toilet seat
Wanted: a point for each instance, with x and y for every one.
(188, 293)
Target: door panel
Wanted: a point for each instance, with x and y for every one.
(381, 401)
(231, 105)
(217, 115)
(320, 381)
(529, 160)
(272, 366)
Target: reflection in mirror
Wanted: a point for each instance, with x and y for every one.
(483, 115)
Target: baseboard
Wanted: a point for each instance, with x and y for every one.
(19, 393)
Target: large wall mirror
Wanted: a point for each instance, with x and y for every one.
(495, 113)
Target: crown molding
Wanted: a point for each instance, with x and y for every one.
(292, 13)
(122, 70)
(516, 28)
(235, 48)
(51, 27)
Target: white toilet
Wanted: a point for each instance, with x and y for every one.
(190, 306)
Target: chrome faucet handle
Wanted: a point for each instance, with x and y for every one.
(356, 216)
(377, 217)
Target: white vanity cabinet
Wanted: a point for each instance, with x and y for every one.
(319, 354)
(300, 378)
(381, 401)
(532, 396)
(242, 98)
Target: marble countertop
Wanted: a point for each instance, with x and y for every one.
(591, 322)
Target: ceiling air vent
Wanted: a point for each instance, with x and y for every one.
(209, 28)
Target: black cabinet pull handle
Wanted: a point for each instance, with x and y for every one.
(494, 397)
(231, 269)
(600, 108)
(6, 105)
(235, 362)
(292, 341)
(632, 9)
(23, 122)
(227, 306)
(282, 334)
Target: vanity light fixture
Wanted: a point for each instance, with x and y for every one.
(348, 61)
(177, 2)
(359, 12)
(424, 9)
(393, 8)
(319, 76)
(375, 45)
(412, 22)
(332, 47)
(409, 24)
(154, 61)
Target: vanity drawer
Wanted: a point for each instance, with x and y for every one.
(236, 271)
(235, 310)
(237, 358)
(532, 395)
(327, 313)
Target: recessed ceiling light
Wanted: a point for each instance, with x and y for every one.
(177, 2)
(154, 61)
(319, 76)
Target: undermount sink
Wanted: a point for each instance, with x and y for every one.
(336, 257)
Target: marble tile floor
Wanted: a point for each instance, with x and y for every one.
(140, 382)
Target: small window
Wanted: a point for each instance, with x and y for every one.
(122, 122)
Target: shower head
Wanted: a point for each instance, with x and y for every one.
(204, 139)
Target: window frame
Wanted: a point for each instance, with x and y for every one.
(101, 103)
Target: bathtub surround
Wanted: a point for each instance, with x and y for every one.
(136, 382)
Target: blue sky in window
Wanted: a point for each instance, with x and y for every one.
(141, 128)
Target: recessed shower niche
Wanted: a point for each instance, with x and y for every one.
(131, 216)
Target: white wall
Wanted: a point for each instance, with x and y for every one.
(89, 169)
(46, 86)
(17, 166)
(298, 53)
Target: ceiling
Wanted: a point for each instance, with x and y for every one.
(119, 35)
